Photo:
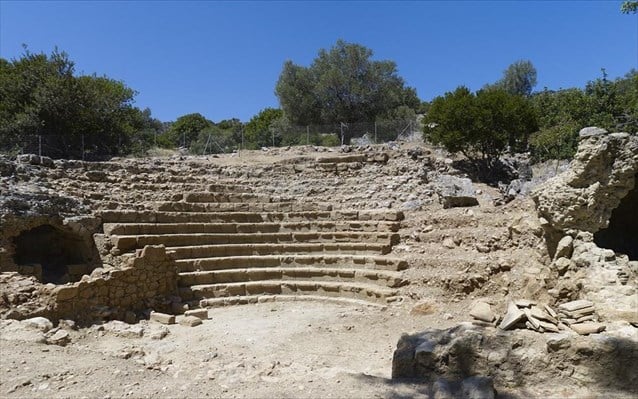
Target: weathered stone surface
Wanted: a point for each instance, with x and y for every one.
(199, 313)
(513, 316)
(601, 174)
(466, 351)
(482, 311)
(41, 323)
(564, 248)
(477, 387)
(162, 318)
(456, 191)
(190, 321)
(591, 132)
(588, 328)
(60, 338)
(575, 305)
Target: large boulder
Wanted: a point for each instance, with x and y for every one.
(455, 191)
(518, 358)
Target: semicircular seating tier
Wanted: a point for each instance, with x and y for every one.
(235, 246)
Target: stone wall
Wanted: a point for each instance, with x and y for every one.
(147, 281)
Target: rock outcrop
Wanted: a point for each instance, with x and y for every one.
(583, 197)
(519, 358)
(590, 221)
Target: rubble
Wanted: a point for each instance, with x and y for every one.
(524, 313)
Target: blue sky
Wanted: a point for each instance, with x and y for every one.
(222, 59)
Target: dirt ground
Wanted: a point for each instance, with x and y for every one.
(268, 350)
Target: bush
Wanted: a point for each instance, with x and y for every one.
(481, 126)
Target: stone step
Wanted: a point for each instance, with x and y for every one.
(175, 206)
(208, 196)
(370, 276)
(207, 251)
(125, 216)
(231, 228)
(369, 292)
(254, 299)
(292, 260)
(129, 242)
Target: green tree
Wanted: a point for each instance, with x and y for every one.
(40, 95)
(481, 125)
(610, 104)
(259, 131)
(519, 78)
(629, 7)
(186, 129)
(342, 84)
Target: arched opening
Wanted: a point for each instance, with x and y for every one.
(622, 233)
(52, 255)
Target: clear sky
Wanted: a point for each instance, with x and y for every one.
(222, 59)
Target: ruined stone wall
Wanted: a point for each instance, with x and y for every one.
(580, 202)
(147, 281)
(602, 173)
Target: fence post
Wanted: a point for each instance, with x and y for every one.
(40, 145)
(307, 135)
(242, 142)
(82, 147)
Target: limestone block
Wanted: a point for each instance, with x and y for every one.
(482, 311)
(199, 313)
(564, 248)
(162, 318)
(65, 293)
(190, 321)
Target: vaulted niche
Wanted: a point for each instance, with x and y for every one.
(52, 255)
(622, 233)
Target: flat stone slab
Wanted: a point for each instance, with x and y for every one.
(513, 316)
(576, 305)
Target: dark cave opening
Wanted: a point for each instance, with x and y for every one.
(52, 255)
(622, 233)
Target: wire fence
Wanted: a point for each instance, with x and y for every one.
(90, 147)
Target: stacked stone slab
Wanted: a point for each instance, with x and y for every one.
(234, 246)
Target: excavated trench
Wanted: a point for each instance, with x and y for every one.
(622, 233)
(52, 255)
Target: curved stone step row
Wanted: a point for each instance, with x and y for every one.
(207, 196)
(203, 207)
(292, 260)
(369, 292)
(120, 216)
(278, 248)
(210, 251)
(255, 299)
(370, 276)
(130, 242)
(231, 228)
